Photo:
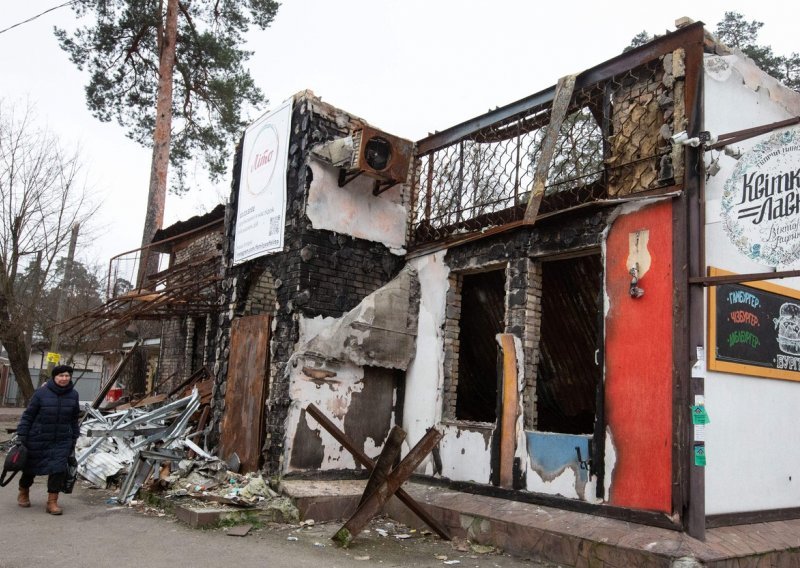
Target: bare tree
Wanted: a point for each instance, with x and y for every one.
(41, 197)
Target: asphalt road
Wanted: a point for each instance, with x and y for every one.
(94, 533)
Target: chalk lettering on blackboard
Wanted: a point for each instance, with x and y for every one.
(742, 316)
(788, 363)
(742, 297)
(743, 337)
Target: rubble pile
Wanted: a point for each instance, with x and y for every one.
(158, 449)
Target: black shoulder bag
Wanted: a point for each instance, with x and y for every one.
(15, 461)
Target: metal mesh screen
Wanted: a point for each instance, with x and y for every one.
(611, 143)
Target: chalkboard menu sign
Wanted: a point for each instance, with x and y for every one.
(754, 329)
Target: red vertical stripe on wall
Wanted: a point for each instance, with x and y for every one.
(638, 379)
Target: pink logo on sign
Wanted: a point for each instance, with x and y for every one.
(262, 159)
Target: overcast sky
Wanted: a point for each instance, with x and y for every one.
(408, 67)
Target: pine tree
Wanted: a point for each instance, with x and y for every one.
(735, 31)
(172, 73)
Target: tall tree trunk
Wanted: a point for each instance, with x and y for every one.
(154, 215)
(14, 341)
(12, 336)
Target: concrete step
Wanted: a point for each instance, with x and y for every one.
(563, 537)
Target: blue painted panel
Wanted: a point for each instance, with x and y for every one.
(550, 453)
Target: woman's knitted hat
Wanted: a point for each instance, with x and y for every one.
(58, 369)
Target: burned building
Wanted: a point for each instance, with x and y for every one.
(545, 287)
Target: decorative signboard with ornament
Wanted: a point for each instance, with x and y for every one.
(261, 210)
(754, 329)
(761, 200)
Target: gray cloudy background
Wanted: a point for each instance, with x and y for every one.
(407, 67)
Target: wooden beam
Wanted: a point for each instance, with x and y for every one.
(113, 378)
(388, 457)
(510, 409)
(367, 462)
(561, 99)
(374, 503)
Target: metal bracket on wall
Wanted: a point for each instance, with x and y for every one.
(346, 176)
(379, 186)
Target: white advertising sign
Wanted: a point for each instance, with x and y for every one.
(761, 200)
(261, 211)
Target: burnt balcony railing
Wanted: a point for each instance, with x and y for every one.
(613, 142)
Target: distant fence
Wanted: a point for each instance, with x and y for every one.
(88, 386)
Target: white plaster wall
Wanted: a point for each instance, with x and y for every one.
(752, 459)
(333, 397)
(752, 455)
(466, 454)
(425, 374)
(353, 209)
(565, 484)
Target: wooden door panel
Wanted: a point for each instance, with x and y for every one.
(242, 428)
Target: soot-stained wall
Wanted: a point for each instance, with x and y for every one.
(319, 273)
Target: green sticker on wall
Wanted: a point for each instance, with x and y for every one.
(699, 414)
(700, 455)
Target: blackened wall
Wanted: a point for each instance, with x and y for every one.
(318, 272)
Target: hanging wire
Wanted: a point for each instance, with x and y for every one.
(37, 16)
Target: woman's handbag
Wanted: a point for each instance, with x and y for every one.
(15, 461)
(71, 474)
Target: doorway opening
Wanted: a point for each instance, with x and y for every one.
(569, 370)
(482, 318)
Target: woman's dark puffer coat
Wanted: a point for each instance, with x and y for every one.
(49, 428)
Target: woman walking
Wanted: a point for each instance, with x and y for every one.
(49, 429)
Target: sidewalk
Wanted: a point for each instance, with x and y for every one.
(94, 532)
(566, 537)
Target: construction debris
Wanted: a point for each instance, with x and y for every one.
(162, 448)
(138, 439)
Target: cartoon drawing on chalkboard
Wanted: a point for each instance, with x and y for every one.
(788, 325)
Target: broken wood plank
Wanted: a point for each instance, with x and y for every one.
(154, 399)
(367, 462)
(509, 411)
(558, 112)
(375, 502)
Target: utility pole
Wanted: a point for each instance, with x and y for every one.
(62, 297)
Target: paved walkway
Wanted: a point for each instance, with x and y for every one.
(95, 534)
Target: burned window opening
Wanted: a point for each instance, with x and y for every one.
(482, 318)
(567, 374)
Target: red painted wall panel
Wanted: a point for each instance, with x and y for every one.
(638, 395)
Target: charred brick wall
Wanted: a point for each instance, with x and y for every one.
(180, 348)
(318, 273)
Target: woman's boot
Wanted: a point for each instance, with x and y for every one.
(24, 497)
(52, 504)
